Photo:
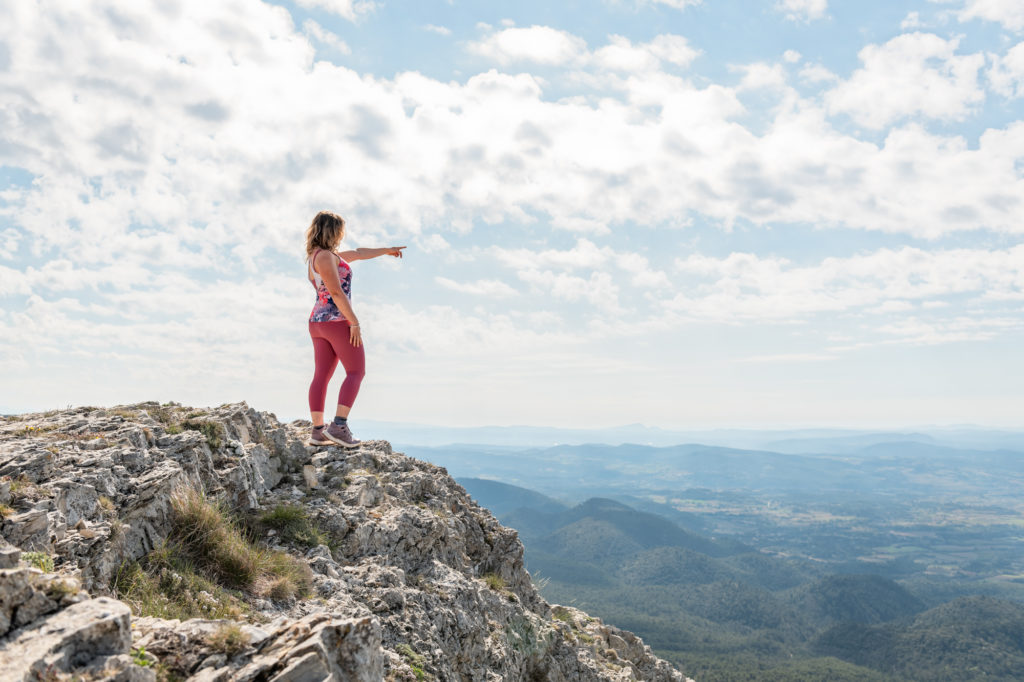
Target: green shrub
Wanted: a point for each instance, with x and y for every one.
(166, 586)
(294, 526)
(205, 532)
(23, 489)
(495, 582)
(213, 431)
(141, 658)
(414, 660)
(165, 414)
(44, 562)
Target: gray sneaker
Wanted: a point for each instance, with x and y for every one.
(341, 435)
(318, 439)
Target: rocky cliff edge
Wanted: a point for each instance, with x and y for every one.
(401, 576)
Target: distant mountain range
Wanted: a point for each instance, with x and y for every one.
(725, 611)
(578, 472)
(796, 441)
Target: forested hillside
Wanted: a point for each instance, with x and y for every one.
(723, 610)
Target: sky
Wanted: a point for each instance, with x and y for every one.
(681, 213)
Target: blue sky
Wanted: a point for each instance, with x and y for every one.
(675, 212)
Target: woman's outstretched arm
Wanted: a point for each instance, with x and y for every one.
(363, 253)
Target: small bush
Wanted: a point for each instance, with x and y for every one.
(206, 557)
(414, 660)
(203, 529)
(229, 639)
(165, 414)
(288, 577)
(29, 431)
(44, 562)
(206, 533)
(213, 431)
(106, 506)
(141, 658)
(116, 529)
(495, 582)
(166, 586)
(24, 489)
(294, 526)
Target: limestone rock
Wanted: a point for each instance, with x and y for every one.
(410, 576)
(66, 641)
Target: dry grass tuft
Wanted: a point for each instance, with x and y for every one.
(229, 639)
(206, 533)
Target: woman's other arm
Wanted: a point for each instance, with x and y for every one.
(363, 253)
(327, 268)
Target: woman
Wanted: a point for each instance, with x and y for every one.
(333, 325)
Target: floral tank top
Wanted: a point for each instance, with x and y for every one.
(324, 310)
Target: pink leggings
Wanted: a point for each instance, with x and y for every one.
(331, 343)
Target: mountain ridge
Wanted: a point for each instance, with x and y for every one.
(404, 576)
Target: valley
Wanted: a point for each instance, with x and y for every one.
(751, 564)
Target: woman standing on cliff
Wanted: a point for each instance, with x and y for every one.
(333, 325)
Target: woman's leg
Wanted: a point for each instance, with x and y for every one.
(353, 358)
(326, 360)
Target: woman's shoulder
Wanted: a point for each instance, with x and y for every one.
(323, 256)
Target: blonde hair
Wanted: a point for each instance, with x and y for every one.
(325, 232)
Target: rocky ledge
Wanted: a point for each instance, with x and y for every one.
(396, 573)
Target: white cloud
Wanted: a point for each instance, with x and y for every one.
(802, 10)
(672, 49)
(161, 165)
(678, 4)
(786, 358)
(585, 254)
(643, 275)
(9, 240)
(620, 54)
(1007, 72)
(1009, 13)
(914, 74)
(179, 152)
(599, 289)
(549, 46)
(440, 30)
(490, 288)
(791, 56)
(322, 35)
(537, 44)
(760, 75)
(433, 243)
(607, 266)
(912, 20)
(349, 9)
(816, 74)
(914, 331)
(744, 286)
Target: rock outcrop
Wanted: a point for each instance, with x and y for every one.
(410, 578)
